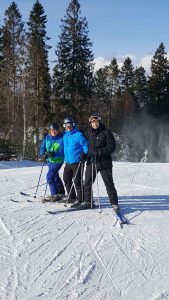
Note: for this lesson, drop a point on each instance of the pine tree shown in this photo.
(1, 48)
(38, 74)
(101, 89)
(115, 92)
(158, 83)
(74, 61)
(140, 89)
(3, 111)
(114, 76)
(12, 51)
(127, 87)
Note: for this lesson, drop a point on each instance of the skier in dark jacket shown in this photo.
(52, 149)
(75, 148)
(101, 146)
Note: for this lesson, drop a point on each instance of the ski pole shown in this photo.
(72, 183)
(82, 170)
(91, 200)
(97, 180)
(39, 180)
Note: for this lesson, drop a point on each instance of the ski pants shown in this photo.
(70, 171)
(54, 180)
(107, 177)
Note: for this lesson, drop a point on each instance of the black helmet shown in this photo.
(54, 126)
(94, 117)
(68, 120)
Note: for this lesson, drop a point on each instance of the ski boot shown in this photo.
(53, 198)
(85, 205)
(75, 204)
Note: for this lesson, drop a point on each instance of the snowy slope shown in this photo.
(85, 254)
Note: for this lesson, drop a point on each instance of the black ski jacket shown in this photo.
(101, 145)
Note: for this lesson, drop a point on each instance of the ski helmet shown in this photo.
(94, 117)
(54, 126)
(68, 120)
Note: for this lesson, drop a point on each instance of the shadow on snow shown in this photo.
(138, 203)
(19, 164)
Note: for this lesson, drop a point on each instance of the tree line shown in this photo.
(32, 96)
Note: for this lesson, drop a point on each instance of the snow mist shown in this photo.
(147, 139)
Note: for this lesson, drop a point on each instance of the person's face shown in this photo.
(54, 132)
(95, 124)
(68, 126)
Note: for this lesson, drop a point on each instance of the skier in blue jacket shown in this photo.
(52, 149)
(75, 152)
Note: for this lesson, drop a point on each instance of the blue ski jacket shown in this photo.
(74, 145)
(54, 144)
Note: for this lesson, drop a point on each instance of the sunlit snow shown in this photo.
(85, 254)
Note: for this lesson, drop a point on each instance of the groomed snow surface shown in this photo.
(85, 254)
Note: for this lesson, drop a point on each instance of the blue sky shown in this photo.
(116, 27)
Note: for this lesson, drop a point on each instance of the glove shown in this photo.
(50, 153)
(44, 157)
(83, 156)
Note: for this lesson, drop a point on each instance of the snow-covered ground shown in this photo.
(85, 254)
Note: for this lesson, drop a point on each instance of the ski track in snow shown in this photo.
(85, 255)
(10, 281)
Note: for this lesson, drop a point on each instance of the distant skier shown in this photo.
(101, 146)
(75, 150)
(52, 149)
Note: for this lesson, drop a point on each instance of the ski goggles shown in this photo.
(67, 125)
(94, 118)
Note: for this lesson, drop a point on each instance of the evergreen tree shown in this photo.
(114, 113)
(12, 52)
(106, 91)
(127, 87)
(101, 89)
(1, 48)
(114, 77)
(127, 75)
(140, 89)
(58, 107)
(74, 61)
(3, 111)
(158, 83)
(38, 76)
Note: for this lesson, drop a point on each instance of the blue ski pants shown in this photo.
(54, 180)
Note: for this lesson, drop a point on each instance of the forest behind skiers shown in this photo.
(34, 91)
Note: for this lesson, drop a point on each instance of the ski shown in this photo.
(44, 200)
(68, 209)
(18, 201)
(13, 200)
(32, 196)
(55, 212)
(28, 195)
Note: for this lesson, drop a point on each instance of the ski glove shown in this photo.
(50, 153)
(44, 157)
